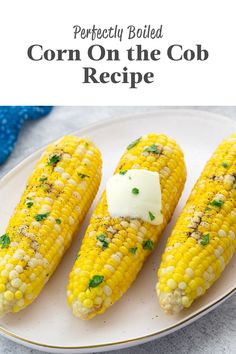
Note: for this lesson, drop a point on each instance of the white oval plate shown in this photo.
(137, 318)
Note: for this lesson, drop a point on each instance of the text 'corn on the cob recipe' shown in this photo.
(56, 198)
(203, 239)
(132, 213)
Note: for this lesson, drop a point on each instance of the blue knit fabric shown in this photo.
(12, 119)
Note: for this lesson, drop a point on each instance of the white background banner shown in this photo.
(190, 60)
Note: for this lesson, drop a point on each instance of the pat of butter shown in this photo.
(135, 194)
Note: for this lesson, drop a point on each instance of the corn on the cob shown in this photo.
(203, 239)
(57, 196)
(114, 249)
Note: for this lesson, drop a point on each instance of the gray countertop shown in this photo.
(216, 332)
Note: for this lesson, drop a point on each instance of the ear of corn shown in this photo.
(203, 240)
(57, 196)
(114, 249)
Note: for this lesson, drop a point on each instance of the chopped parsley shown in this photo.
(217, 203)
(148, 245)
(205, 240)
(103, 239)
(95, 281)
(151, 216)
(224, 164)
(43, 179)
(153, 149)
(134, 143)
(5, 241)
(234, 186)
(40, 217)
(29, 204)
(123, 172)
(53, 160)
(77, 257)
(133, 250)
(82, 175)
(58, 221)
(135, 191)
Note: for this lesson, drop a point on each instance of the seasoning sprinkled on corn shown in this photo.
(50, 210)
(203, 239)
(114, 248)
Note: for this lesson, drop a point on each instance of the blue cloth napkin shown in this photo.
(12, 119)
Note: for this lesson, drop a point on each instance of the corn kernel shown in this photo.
(18, 295)
(8, 295)
(88, 303)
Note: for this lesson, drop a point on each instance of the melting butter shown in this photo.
(135, 194)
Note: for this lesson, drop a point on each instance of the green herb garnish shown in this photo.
(135, 191)
(151, 216)
(224, 164)
(53, 160)
(103, 239)
(153, 148)
(29, 204)
(133, 250)
(40, 217)
(217, 203)
(205, 240)
(95, 281)
(134, 143)
(82, 175)
(58, 221)
(123, 172)
(42, 179)
(148, 245)
(77, 257)
(5, 241)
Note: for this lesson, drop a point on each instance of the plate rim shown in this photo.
(204, 115)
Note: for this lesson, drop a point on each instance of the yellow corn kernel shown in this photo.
(8, 295)
(18, 295)
(46, 218)
(208, 220)
(112, 269)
